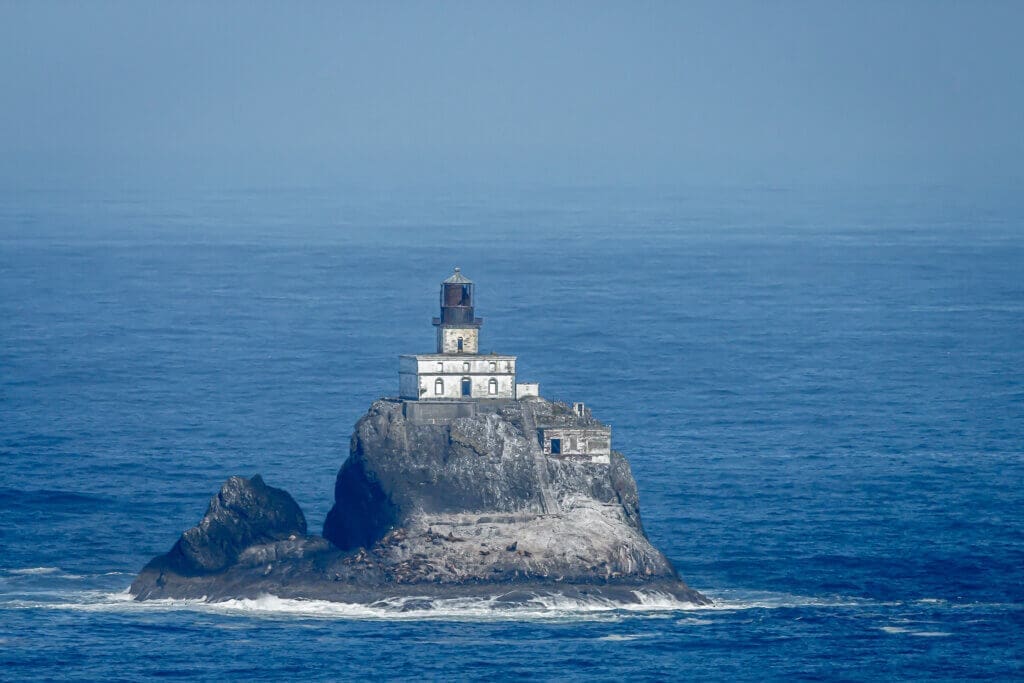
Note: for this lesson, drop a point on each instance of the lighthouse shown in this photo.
(458, 372)
(460, 382)
(458, 330)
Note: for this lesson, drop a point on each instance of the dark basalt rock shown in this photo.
(367, 512)
(467, 506)
(245, 513)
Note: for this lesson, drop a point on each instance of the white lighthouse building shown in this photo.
(459, 382)
(458, 371)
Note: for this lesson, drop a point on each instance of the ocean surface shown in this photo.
(820, 390)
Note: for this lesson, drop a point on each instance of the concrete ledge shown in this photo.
(436, 411)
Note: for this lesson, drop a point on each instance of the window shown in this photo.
(556, 446)
(465, 366)
(467, 387)
(440, 366)
(493, 366)
(439, 387)
(460, 344)
(492, 387)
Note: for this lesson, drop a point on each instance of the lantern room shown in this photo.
(457, 301)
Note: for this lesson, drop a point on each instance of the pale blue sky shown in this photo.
(229, 94)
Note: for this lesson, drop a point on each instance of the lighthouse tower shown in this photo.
(458, 331)
(458, 372)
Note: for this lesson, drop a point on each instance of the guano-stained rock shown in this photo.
(467, 506)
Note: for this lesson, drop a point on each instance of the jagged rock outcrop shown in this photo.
(461, 506)
(483, 480)
(245, 513)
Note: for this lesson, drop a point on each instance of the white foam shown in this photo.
(744, 600)
(475, 608)
(30, 571)
(621, 637)
(493, 608)
(912, 632)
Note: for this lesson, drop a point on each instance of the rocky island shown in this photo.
(468, 484)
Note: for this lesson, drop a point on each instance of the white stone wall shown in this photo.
(418, 375)
(451, 386)
(527, 389)
(448, 339)
(591, 441)
(437, 364)
(408, 385)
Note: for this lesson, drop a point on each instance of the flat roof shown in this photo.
(458, 356)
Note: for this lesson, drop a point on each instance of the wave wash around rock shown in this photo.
(468, 484)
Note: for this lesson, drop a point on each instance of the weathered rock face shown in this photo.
(245, 513)
(484, 481)
(466, 506)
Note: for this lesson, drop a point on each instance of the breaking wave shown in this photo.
(898, 630)
(51, 572)
(492, 608)
(31, 571)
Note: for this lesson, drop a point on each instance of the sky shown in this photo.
(113, 94)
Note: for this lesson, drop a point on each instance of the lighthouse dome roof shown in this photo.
(457, 278)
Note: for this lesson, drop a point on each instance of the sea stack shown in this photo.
(466, 483)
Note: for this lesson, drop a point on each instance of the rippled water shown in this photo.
(820, 392)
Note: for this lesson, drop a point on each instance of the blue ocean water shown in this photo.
(820, 390)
